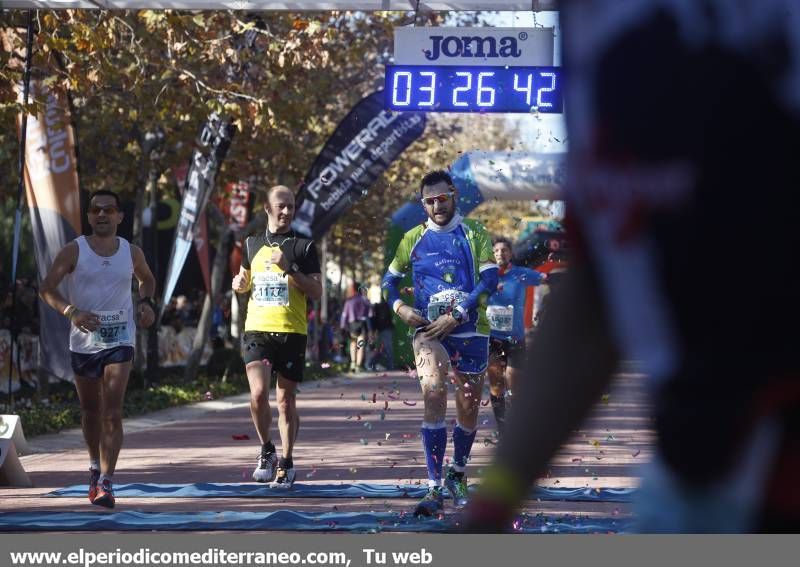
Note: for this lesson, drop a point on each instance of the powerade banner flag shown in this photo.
(363, 146)
(210, 149)
(51, 183)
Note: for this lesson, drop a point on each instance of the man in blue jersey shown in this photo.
(510, 314)
(453, 271)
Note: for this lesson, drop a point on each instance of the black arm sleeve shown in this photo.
(246, 254)
(310, 259)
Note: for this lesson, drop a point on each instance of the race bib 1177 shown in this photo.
(270, 289)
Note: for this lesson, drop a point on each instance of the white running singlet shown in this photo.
(102, 285)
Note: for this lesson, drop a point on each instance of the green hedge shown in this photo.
(62, 411)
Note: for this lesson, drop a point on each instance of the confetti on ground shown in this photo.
(242, 437)
(406, 402)
(635, 453)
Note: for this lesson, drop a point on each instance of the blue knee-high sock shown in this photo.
(463, 438)
(434, 442)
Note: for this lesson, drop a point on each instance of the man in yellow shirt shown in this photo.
(280, 270)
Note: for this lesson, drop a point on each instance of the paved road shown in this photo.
(345, 437)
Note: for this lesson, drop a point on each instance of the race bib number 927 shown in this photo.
(113, 329)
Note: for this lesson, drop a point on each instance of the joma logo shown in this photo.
(472, 46)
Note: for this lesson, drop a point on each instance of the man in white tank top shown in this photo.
(98, 270)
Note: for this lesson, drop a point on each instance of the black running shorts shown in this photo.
(357, 329)
(93, 365)
(285, 351)
(501, 350)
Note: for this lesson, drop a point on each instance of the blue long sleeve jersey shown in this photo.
(451, 266)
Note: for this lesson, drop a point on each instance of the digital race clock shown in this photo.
(473, 88)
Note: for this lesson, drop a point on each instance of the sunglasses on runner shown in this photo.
(441, 198)
(109, 210)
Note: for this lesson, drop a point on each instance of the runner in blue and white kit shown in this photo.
(453, 270)
(510, 314)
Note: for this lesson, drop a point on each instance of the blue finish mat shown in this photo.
(299, 490)
(282, 520)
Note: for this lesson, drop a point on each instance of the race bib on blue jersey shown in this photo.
(113, 329)
(443, 302)
(501, 318)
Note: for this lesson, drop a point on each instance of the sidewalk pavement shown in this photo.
(359, 428)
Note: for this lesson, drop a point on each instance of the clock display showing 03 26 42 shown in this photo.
(473, 89)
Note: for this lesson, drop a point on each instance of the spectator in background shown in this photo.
(383, 327)
(27, 307)
(355, 322)
(338, 342)
(184, 310)
(5, 306)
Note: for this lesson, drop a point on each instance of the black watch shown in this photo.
(149, 301)
(457, 314)
(293, 269)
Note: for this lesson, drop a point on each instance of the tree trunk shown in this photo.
(138, 224)
(204, 325)
(323, 260)
(321, 306)
(339, 292)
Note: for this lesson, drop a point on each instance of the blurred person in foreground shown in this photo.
(679, 112)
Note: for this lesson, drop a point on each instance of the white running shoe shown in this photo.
(284, 478)
(265, 470)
